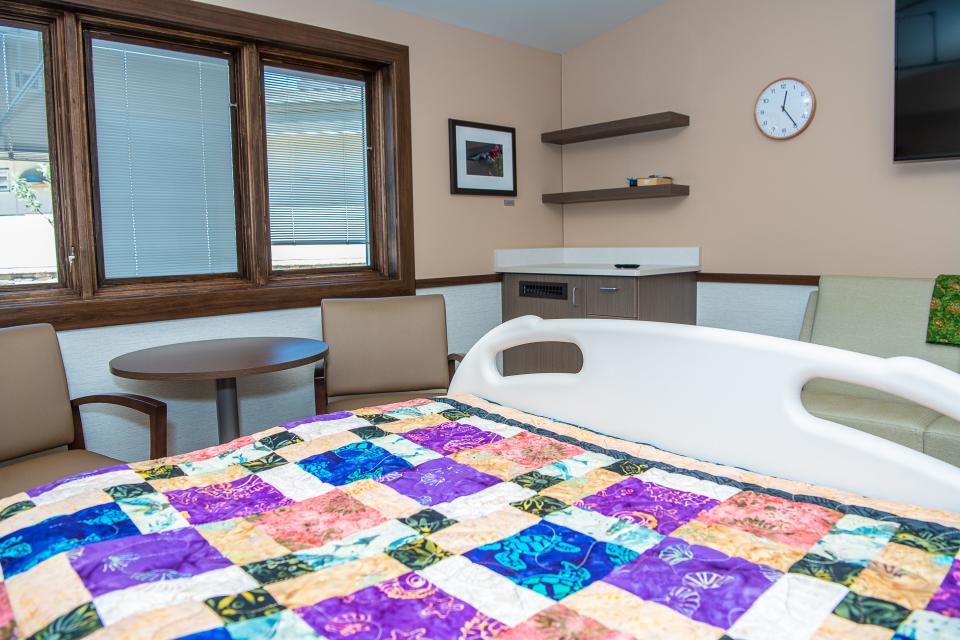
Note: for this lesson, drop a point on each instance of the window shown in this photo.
(184, 159)
(317, 168)
(28, 253)
(164, 149)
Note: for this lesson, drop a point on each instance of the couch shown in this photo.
(882, 317)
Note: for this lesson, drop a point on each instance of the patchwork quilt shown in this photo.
(459, 518)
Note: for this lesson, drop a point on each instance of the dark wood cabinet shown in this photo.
(663, 298)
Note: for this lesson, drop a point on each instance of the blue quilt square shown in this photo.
(352, 462)
(552, 560)
(30, 546)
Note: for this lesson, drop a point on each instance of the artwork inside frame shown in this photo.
(483, 159)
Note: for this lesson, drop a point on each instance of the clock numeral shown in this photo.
(764, 123)
(766, 100)
(762, 112)
(803, 93)
(783, 85)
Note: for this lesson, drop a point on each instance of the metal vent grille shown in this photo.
(549, 290)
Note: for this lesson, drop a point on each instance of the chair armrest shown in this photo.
(154, 409)
(452, 360)
(320, 387)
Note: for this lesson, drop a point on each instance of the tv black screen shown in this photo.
(927, 102)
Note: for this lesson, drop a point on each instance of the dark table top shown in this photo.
(213, 359)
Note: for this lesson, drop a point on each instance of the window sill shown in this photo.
(127, 304)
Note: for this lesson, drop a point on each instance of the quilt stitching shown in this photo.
(440, 519)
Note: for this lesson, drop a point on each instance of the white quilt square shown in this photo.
(792, 609)
(406, 449)
(294, 482)
(98, 481)
(117, 605)
(503, 430)
(486, 590)
(689, 484)
(484, 502)
(319, 428)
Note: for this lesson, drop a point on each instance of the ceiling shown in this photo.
(554, 25)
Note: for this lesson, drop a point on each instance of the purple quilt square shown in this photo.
(946, 600)
(699, 582)
(242, 497)
(404, 607)
(36, 491)
(438, 481)
(647, 504)
(450, 437)
(118, 564)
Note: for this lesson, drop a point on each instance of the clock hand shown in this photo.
(783, 107)
(791, 117)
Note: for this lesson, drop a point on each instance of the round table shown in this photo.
(222, 360)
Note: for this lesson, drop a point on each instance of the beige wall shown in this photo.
(461, 74)
(829, 201)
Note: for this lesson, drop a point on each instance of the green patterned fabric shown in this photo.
(944, 326)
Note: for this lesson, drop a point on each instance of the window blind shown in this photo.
(316, 158)
(23, 116)
(165, 161)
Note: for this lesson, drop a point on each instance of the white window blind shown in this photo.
(23, 123)
(165, 161)
(316, 163)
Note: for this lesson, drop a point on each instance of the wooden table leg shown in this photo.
(228, 412)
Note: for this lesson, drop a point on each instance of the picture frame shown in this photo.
(483, 159)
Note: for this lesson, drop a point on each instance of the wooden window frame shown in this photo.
(83, 297)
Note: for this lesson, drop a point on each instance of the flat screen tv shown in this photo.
(927, 102)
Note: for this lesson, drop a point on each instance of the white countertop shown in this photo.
(598, 261)
(587, 269)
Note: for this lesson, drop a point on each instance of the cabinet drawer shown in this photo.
(613, 297)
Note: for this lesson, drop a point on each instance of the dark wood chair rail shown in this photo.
(156, 410)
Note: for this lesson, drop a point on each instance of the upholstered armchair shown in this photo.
(383, 350)
(38, 418)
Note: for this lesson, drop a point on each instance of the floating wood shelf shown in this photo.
(620, 193)
(627, 126)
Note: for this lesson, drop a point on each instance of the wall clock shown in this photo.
(785, 108)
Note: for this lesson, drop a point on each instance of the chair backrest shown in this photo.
(385, 345)
(883, 317)
(35, 410)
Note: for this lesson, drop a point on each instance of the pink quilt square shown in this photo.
(316, 521)
(797, 524)
(530, 450)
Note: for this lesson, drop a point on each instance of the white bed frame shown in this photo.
(726, 397)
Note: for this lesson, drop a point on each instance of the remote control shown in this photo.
(627, 266)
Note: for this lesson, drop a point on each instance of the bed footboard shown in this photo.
(726, 397)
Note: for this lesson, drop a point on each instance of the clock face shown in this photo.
(785, 108)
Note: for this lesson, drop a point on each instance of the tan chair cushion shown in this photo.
(39, 470)
(34, 402)
(883, 317)
(900, 422)
(349, 403)
(942, 440)
(385, 345)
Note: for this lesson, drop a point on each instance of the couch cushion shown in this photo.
(900, 422)
(38, 470)
(883, 317)
(942, 440)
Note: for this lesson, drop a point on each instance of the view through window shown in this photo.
(316, 169)
(28, 253)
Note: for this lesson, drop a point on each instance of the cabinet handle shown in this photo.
(609, 289)
(573, 296)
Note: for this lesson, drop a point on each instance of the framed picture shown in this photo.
(483, 159)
